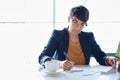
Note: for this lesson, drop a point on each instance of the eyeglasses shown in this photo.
(75, 21)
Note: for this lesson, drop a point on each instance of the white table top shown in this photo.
(89, 73)
(30, 71)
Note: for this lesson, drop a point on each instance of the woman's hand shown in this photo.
(67, 65)
(111, 61)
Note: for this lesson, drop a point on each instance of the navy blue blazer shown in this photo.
(59, 42)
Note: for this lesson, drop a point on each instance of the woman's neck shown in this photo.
(74, 37)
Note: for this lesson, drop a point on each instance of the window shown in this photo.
(104, 22)
(25, 26)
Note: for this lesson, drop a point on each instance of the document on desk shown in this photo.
(100, 68)
(75, 69)
(90, 70)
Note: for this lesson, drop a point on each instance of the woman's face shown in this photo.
(75, 25)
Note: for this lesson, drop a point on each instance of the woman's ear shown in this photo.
(68, 19)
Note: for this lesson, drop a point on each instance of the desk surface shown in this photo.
(67, 75)
(29, 71)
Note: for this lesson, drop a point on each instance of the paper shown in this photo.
(100, 68)
(94, 70)
(74, 69)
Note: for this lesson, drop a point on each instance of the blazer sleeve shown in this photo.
(99, 55)
(51, 47)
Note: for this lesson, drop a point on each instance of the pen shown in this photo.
(41, 67)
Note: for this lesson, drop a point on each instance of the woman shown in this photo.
(72, 46)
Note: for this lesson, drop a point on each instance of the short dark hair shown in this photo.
(81, 12)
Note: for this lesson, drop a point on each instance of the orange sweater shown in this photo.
(75, 53)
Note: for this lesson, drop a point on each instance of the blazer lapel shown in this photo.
(84, 41)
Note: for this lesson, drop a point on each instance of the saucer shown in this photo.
(52, 73)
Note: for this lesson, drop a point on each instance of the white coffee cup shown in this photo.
(52, 66)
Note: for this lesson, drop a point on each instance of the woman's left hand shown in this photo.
(111, 61)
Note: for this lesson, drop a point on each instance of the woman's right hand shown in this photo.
(67, 65)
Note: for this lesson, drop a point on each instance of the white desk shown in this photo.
(29, 71)
(66, 75)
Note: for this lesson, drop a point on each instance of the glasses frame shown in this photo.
(75, 21)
